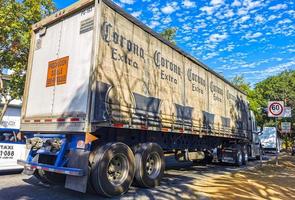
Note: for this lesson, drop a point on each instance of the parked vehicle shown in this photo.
(12, 148)
(269, 140)
(107, 97)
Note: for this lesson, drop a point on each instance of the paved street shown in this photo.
(181, 181)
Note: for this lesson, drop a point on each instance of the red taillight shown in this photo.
(118, 125)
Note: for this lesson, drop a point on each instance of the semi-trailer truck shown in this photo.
(106, 98)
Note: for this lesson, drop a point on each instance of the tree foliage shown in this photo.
(169, 34)
(278, 88)
(254, 102)
(275, 88)
(16, 18)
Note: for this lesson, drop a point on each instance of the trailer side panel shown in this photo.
(146, 83)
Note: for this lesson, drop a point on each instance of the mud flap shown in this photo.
(28, 171)
(78, 159)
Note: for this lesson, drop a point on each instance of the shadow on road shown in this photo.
(185, 181)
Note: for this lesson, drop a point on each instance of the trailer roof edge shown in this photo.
(62, 14)
(84, 3)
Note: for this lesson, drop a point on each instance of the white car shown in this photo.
(12, 148)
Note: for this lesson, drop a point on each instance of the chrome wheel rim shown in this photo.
(153, 165)
(117, 170)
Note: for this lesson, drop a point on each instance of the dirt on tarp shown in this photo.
(268, 181)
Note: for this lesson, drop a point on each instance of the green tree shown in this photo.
(240, 82)
(16, 18)
(278, 88)
(254, 102)
(169, 34)
(275, 88)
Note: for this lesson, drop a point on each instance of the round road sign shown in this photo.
(276, 108)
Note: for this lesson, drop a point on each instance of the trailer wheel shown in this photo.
(208, 157)
(245, 155)
(90, 188)
(239, 156)
(112, 170)
(150, 165)
(49, 178)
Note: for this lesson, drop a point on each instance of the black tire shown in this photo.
(245, 155)
(239, 156)
(49, 178)
(208, 157)
(150, 165)
(112, 170)
(90, 188)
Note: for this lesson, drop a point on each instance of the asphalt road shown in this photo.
(177, 184)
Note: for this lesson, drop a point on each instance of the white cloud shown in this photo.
(285, 66)
(229, 14)
(252, 4)
(217, 37)
(272, 70)
(201, 25)
(244, 18)
(252, 36)
(259, 18)
(278, 7)
(285, 21)
(188, 4)
(187, 38)
(230, 47)
(272, 17)
(216, 2)
(215, 5)
(127, 1)
(210, 55)
(153, 24)
(170, 8)
(136, 14)
(236, 3)
(207, 9)
(167, 20)
(186, 27)
(242, 11)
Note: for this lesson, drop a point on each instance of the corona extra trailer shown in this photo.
(107, 98)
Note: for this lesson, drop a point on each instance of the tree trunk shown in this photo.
(4, 109)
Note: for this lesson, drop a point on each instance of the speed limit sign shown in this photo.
(275, 108)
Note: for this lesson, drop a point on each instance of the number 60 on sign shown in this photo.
(275, 108)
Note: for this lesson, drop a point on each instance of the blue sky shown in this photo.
(254, 38)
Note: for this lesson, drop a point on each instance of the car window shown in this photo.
(11, 137)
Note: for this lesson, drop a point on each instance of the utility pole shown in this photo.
(275, 110)
(277, 143)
